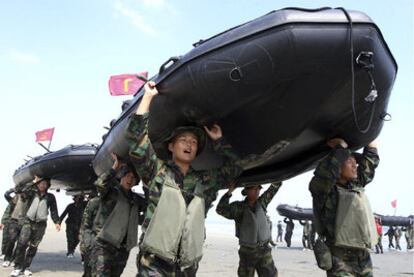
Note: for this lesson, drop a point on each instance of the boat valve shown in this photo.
(364, 59)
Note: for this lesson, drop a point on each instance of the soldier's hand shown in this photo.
(57, 227)
(373, 144)
(150, 89)
(232, 186)
(1, 226)
(215, 132)
(337, 141)
(36, 179)
(117, 164)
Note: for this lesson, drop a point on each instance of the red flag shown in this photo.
(126, 84)
(45, 135)
(394, 203)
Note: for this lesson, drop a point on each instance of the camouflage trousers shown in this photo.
(86, 247)
(257, 259)
(5, 238)
(151, 266)
(109, 261)
(30, 237)
(13, 234)
(72, 237)
(350, 263)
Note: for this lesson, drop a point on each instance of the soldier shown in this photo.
(252, 228)
(87, 235)
(306, 236)
(116, 221)
(397, 236)
(16, 221)
(179, 196)
(34, 226)
(409, 234)
(390, 233)
(279, 231)
(341, 210)
(288, 230)
(74, 211)
(378, 246)
(4, 225)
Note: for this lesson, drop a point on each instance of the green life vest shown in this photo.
(123, 221)
(254, 228)
(355, 223)
(176, 231)
(38, 210)
(20, 210)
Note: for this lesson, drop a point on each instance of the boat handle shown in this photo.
(168, 63)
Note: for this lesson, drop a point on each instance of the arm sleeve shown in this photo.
(141, 151)
(53, 209)
(106, 182)
(367, 165)
(268, 195)
(227, 209)
(7, 213)
(218, 178)
(62, 216)
(7, 194)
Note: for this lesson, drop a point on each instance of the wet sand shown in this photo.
(220, 259)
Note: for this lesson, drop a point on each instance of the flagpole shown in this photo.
(44, 147)
(48, 147)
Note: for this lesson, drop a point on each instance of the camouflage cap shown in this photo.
(42, 179)
(244, 191)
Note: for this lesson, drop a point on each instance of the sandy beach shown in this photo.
(220, 259)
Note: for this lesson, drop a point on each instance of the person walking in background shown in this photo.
(4, 225)
(74, 211)
(397, 235)
(306, 236)
(378, 246)
(252, 228)
(288, 230)
(279, 231)
(390, 233)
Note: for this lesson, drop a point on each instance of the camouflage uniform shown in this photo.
(289, 230)
(323, 186)
(5, 220)
(108, 259)
(73, 222)
(152, 171)
(390, 233)
(397, 235)
(88, 235)
(16, 222)
(251, 258)
(32, 232)
(306, 236)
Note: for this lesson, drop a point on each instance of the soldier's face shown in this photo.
(42, 186)
(184, 147)
(253, 193)
(128, 181)
(349, 170)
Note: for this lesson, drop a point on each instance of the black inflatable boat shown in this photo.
(294, 212)
(279, 86)
(389, 220)
(69, 168)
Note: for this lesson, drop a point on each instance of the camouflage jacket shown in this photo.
(7, 213)
(108, 188)
(153, 170)
(236, 209)
(323, 185)
(86, 230)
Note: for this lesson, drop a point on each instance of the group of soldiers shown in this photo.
(395, 233)
(172, 216)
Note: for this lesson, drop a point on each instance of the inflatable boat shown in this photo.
(279, 86)
(295, 212)
(389, 220)
(69, 168)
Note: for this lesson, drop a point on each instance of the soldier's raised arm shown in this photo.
(368, 163)
(268, 195)
(227, 209)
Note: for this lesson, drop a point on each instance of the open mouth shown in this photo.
(187, 151)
